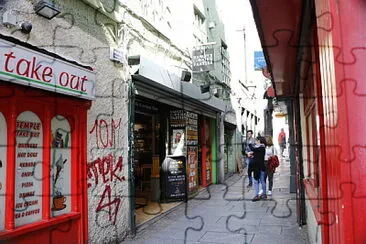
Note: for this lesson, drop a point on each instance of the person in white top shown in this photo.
(269, 152)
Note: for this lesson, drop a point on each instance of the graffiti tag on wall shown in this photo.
(102, 172)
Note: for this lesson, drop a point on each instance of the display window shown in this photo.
(60, 166)
(42, 142)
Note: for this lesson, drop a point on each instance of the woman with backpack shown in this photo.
(271, 163)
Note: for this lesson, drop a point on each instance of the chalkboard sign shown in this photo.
(174, 172)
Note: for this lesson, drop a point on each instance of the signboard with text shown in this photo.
(174, 171)
(203, 59)
(259, 60)
(26, 67)
(28, 174)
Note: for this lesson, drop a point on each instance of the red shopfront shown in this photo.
(42, 146)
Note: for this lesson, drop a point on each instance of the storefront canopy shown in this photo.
(163, 85)
(279, 25)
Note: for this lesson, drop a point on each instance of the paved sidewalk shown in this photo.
(226, 214)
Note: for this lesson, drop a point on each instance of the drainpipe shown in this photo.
(131, 165)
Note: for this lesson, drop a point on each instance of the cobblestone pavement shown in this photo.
(224, 213)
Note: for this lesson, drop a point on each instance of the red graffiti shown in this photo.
(105, 133)
(116, 201)
(106, 168)
(108, 171)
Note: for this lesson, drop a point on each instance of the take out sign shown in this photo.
(24, 66)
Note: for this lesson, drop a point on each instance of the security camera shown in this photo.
(26, 27)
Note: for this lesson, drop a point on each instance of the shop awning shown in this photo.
(279, 24)
(164, 85)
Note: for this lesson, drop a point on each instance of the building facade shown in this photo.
(138, 56)
(321, 82)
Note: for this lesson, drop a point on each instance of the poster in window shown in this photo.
(192, 169)
(3, 147)
(60, 166)
(28, 169)
(178, 144)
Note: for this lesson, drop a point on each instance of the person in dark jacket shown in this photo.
(249, 158)
(259, 169)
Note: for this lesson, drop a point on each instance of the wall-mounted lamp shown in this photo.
(46, 9)
(205, 88)
(186, 75)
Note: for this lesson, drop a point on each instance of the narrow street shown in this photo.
(223, 214)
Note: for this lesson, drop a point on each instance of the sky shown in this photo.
(236, 16)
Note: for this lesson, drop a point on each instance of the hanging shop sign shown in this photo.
(203, 59)
(60, 166)
(259, 60)
(174, 169)
(3, 148)
(29, 164)
(24, 66)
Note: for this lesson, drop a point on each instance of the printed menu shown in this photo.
(28, 176)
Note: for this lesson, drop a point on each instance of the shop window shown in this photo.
(60, 166)
(3, 145)
(312, 149)
(28, 169)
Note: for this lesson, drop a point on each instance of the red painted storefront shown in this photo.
(316, 54)
(43, 140)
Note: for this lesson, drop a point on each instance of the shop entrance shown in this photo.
(145, 148)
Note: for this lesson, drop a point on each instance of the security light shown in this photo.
(46, 9)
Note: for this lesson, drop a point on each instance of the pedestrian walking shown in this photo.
(249, 158)
(258, 151)
(269, 169)
(282, 141)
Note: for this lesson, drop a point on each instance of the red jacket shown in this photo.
(282, 138)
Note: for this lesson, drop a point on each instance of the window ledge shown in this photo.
(8, 234)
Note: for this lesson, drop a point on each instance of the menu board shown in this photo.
(3, 148)
(175, 177)
(28, 170)
(177, 118)
(60, 166)
(192, 129)
(192, 170)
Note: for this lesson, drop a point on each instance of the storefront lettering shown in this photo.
(27, 213)
(29, 153)
(34, 69)
(28, 125)
(27, 184)
(106, 168)
(27, 145)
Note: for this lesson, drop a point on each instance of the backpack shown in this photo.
(273, 163)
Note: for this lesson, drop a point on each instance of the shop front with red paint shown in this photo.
(43, 116)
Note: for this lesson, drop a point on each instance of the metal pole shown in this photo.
(245, 56)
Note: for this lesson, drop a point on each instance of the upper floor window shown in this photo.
(199, 18)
